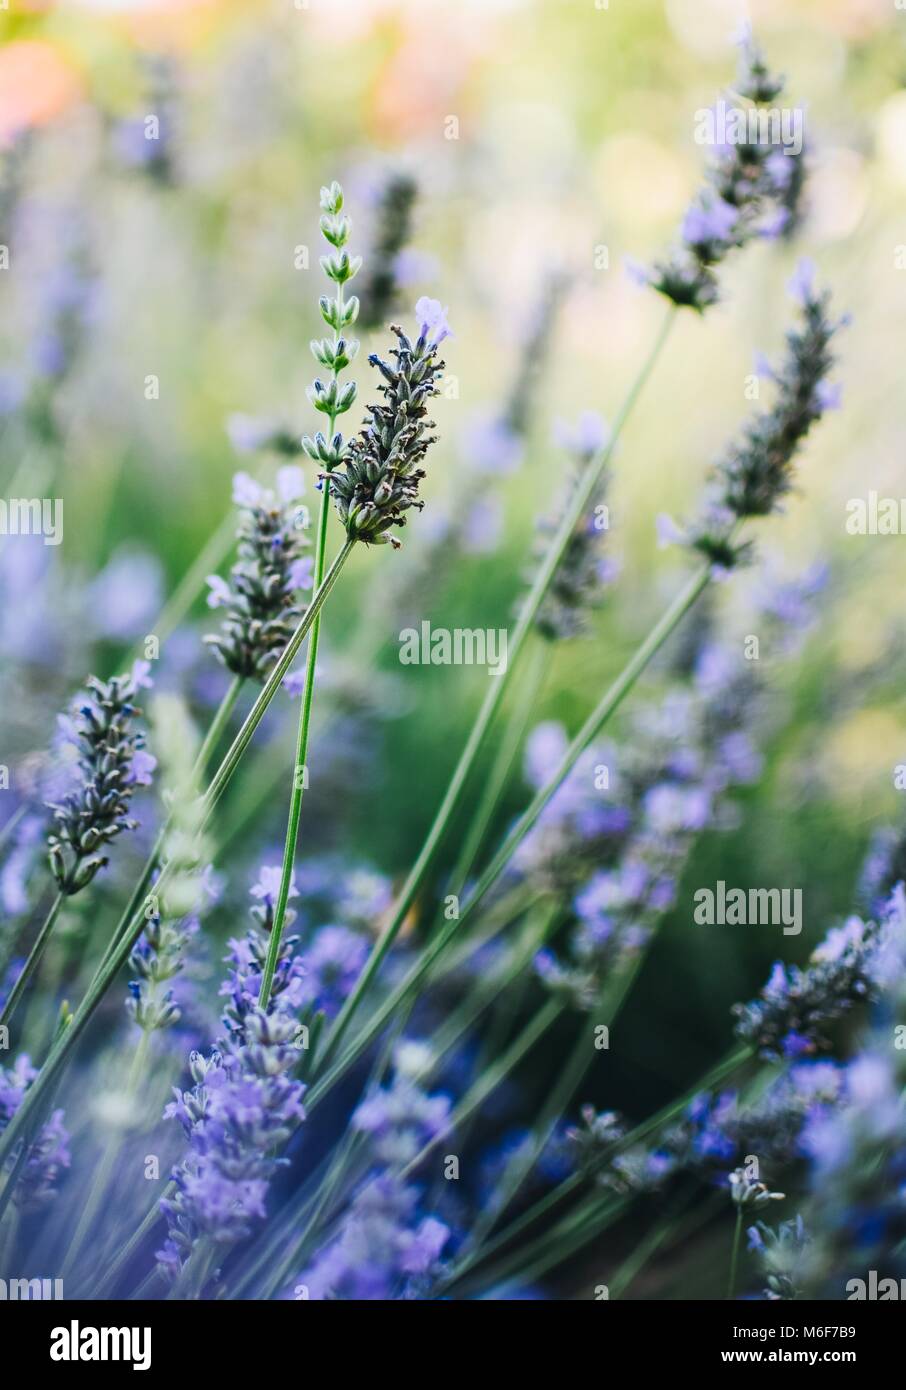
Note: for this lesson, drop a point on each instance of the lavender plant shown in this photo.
(753, 190)
(426, 1004)
(261, 601)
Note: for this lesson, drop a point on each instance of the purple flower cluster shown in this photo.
(716, 1132)
(783, 1255)
(857, 1151)
(247, 955)
(754, 189)
(245, 1102)
(261, 598)
(622, 846)
(791, 1014)
(379, 477)
(755, 473)
(243, 1107)
(386, 1248)
(48, 1154)
(112, 762)
(330, 967)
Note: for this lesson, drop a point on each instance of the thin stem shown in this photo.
(33, 961)
(105, 1167)
(586, 1210)
(217, 726)
(490, 1079)
(648, 1246)
(554, 1245)
(734, 1253)
(500, 770)
(567, 1083)
(256, 713)
(609, 703)
(572, 516)
(299, 767)
(528, 1218)
(59, 1052)
(298, 789)
(149, 1221)
(212, 738)
(11, 824)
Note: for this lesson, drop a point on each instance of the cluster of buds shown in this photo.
(754, 190)
(35, 1177)
(172, 909)
(381, 470)
(261, 598)
(112, 762)
(756, 471)
(156, 958)
(248, 955)
(789, 1017)
(336, 354)
(745, 1192)
(242, 1109)
(782, 1255)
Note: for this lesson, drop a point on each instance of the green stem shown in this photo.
(587, 1210)
(500, 770)
(573, 513)
(528, 1218)
(105, 1167)
(734, 1253)
(478, 1093)
(298, 789)
(33, 961)
(217, 726)
(150, 1220)
(295, 803)
(212, 738)
(256, 713)
(554, 1246)
(609, 703)
(60, 1051)
(647, 1247)
(11, 824)
(608, 1008)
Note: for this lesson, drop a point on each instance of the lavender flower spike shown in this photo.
(261, 597)
(112, 761)
(754, 190)
(381, 473)
(756, 471)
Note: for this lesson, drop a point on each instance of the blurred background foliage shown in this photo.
(574, 131)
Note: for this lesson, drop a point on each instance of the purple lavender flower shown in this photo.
(789, 1017)
(49, 1152)
(261, 598)
(586, 437)
(386, 1247)
(381, 467)
(431, 318)
(242, 1109)
(111, 762)
(330, 967)
(754, 190)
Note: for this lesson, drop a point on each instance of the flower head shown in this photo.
(261, 598)
(112, 762)
(381, 469)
